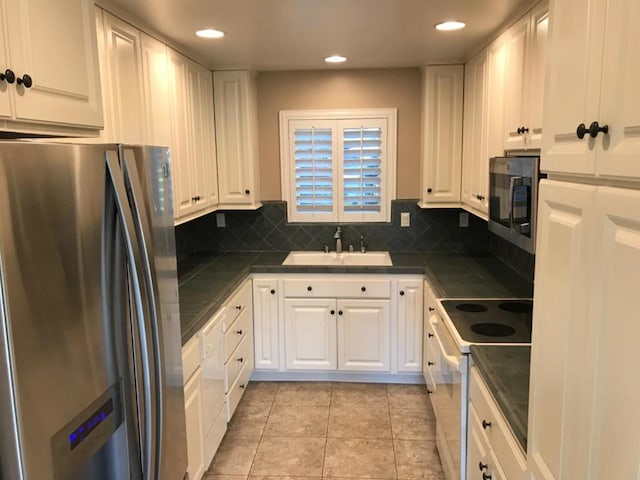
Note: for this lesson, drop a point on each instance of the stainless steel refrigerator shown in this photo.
(90, 352)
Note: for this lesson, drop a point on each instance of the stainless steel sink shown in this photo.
(333, 259)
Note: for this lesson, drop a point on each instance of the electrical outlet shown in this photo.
(405, 219)
(220, 220)
(463, 220)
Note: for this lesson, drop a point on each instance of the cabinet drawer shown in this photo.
(336, 288)
(239, 303)
(191, 357)
(236, 332)
(237, 390)
(499, 435)
(238, 359)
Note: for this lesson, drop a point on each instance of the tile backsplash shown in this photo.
(267, 229)
(431, 230)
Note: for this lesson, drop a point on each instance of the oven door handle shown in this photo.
(452, 360)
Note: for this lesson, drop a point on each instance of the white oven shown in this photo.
(451, 327)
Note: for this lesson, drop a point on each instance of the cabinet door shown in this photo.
(123, 71)
(535, 73)
(615, 283)
(235, 136)
(181, 154)
(363, 335)
(265, 324)
(310, 334)
(409, 321)
(194, 424)
(475, 126)
(562, 364)
(572, 87)
(442, 134)
(620, 104)
(477, 446)
(517, 38)
(156, 92)
(55, 43)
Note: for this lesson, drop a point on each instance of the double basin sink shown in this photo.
(333, 259)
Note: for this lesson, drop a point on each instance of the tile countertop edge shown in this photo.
(505, 370)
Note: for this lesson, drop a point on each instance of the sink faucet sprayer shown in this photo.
(338, 237)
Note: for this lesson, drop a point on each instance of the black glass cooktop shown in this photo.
(491, 321)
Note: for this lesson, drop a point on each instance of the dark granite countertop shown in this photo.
(505, 369)
(206, 280)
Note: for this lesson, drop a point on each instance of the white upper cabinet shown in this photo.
(54, 84)
(526, 43)
(592, 88)
(236, 126)
(157, 111)
(441, 163)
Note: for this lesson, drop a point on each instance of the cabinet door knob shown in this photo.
(242, 386)
(595, 128)
(339, 312)
(239, 332)
(429, 190)
(240, 360)
(364, 289)
(430, 364)
(401, 293)
(333, 312)
(309, 288)
(485, 424)
(486, 476)
(522, 130)
(273, 292)
(431, 309)
(26, 80)
(8, 75)
(519, 130)
(429, 391)
(247, 191)
(482, 466)
(581, 131)
(238, 307)
(429, 335)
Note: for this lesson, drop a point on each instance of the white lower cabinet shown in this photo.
(310, 334)
(493, 452)
(363, 335)
(194, 423)
(432, 362)
(340, 323)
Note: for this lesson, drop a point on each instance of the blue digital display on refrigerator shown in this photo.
(83, 431)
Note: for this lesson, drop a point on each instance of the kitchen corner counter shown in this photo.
(505, 370)
(207, 280)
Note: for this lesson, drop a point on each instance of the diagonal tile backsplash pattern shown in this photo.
(431, 230)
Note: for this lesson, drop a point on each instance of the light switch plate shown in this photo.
(220, 220)
(464, 220)
(405, 219)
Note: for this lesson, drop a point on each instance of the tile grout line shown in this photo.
(393, 442)
(326, 438)
(263, 430)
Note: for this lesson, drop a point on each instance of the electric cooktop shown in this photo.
(491, 321)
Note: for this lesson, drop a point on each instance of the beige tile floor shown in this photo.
(329, 431)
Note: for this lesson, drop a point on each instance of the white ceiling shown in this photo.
(298, 34)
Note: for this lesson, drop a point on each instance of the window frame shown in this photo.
(287, 163)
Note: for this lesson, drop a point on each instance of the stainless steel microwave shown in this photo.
(513, 199)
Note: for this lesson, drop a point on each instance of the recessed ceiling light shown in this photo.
(210, 33)
(450, 25)
(335, 59)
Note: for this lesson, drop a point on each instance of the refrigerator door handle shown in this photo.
(143, 226)
(133, 250)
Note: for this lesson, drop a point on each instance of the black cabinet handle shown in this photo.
(480, 197)
(485, 424)
(242, 386)
(522, 130)
(339, 312)
(239, 332)
(581, 131)
(26, 80)
(240, 359)
(429, 391)
(429, 335)
(309, 288)
(595, 128)
(247, 191)
(238, 307)
(333, 312)
(486, 476)
(430, 363)
(363, 289)
(431, 309)
(401, 293)
(482, 466)
(8, 76)
(273, 292)
(429, 190)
